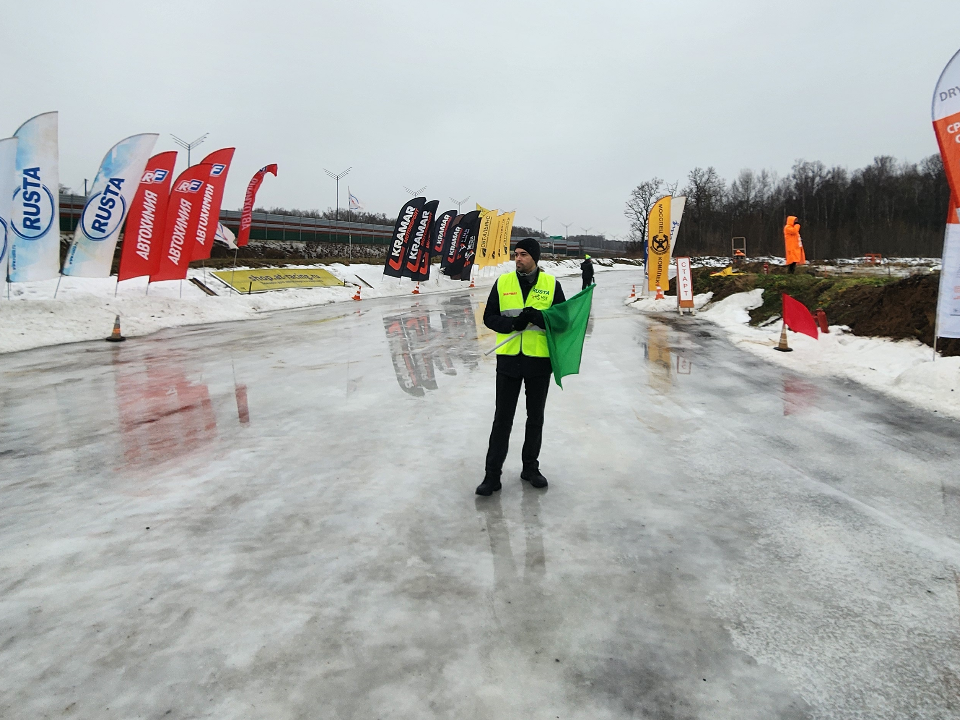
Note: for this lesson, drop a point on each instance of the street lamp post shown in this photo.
(336, 177)
(458, 203)
(415, 193)
(188, 146)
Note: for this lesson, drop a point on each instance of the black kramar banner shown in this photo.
(448, 252)
(438, 231)
(402, 232)
(420, 244)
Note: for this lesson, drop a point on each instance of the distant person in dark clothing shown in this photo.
(586, 272)
(515, 304)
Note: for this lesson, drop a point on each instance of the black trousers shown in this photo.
(586, 282)
(508, 392)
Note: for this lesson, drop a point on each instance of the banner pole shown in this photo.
(501, 344)
(57, 289)
(234, 271)
(116, 288)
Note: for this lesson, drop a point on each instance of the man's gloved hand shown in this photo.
(521, 320)
(535, 316)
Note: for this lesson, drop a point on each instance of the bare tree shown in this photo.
(642, 199)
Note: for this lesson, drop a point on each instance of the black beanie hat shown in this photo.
(532, 247)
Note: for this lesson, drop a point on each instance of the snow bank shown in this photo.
(647, 303)
(903, 369)
(84, 308)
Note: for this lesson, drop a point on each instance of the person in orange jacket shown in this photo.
(793, 243)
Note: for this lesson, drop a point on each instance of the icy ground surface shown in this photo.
(276, 519)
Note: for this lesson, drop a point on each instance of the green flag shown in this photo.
(566, 328)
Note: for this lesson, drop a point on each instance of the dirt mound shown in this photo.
(903, 309)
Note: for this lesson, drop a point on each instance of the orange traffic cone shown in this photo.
(659, 293)
(416, 290)
(783, 347)
(633, 291)
(472, 284)
(356, 295)
(115, 336)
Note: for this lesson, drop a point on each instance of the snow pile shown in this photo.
(84, 308)
(903, 369)
(648, 303)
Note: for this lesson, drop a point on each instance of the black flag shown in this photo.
(402, 232)
(438, 232)
(449, 250)
(465, 227)
(470, 248)
(420, 243)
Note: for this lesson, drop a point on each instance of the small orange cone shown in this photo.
(416, 290)
(356, 295)
(659, 294)
(115, 336)
(783, 347)
(472, 284)
(633, 291)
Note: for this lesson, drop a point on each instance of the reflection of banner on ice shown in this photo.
(162, 414)
(35, 217)
(656, 351)
(8, 170)
(946, 125)
(205, 225)
(246, 216)
(143, 233)
(798, 395)
(276, 279)
(658, 244)
(418, 350)
(117, 181)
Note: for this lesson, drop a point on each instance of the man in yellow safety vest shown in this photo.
(515, 305)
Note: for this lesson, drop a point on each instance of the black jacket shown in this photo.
(586, 269)
(518, 365)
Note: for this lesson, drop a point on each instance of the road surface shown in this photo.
(276, 519)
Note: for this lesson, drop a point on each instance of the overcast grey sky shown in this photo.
(550, 108)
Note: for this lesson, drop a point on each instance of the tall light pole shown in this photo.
(566, 235)
(414, 193)
(337, 178)
(188, 146)
(458, 203)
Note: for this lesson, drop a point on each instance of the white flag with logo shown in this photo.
(8, 173)
(35, 217)
(226, 236)
(676, 215)
(95, 239)
(355, 203)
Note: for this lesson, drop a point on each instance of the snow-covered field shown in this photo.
(85, 308)
(904, 369)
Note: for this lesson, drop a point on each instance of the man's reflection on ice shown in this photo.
(419, 349)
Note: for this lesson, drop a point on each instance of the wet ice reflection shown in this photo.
(423, 342)
(162, 412)
(663, 361)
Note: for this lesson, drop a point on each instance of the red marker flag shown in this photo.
(798, 318)
(182, 212)
(246, 218)
(205, 226)
(143, 233)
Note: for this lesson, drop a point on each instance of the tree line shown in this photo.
(892, 208)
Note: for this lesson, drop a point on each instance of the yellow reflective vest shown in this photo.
(533, 341)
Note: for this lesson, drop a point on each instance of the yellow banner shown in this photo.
(277, 279)
(506, 228)
(658, 245)
(481, 208)
(496, 239)
(484, 245)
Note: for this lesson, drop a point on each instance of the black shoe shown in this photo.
(535, 478)
(489, 486)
